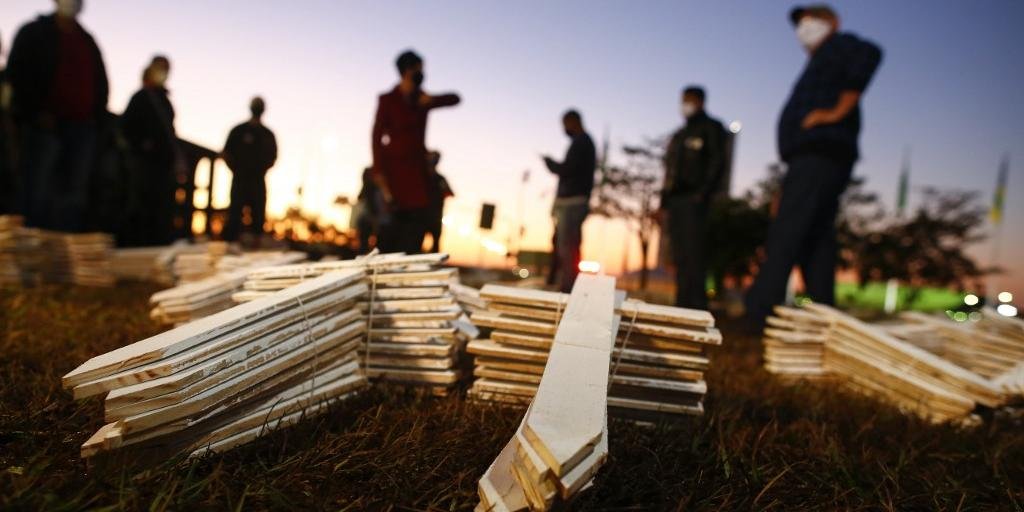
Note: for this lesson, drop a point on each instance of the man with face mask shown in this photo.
(250, 152)
(817, 138)
(694, 166)
(157, 160)
(400, 155)
(59, 94)
(572, 198)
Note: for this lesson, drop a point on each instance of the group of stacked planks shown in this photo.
(142, 264)
(870, 360)
(991, 346)
(194, 266)
(224, 380)
(413, 336)
(16, 250)
(563, 438)
(794, 343)
(659, 357)
(193, 300)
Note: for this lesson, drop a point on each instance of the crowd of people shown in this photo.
(63, 154)
(58, 113)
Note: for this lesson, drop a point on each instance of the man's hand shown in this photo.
(818, 117)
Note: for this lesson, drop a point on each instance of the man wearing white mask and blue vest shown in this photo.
(817, 139)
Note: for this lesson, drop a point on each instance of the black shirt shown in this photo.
(251, 149)
(695, 159)
(576, 172)
(842, 63)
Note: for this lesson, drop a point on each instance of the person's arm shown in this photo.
(230, 146)
(380, 129)
(714, 141)
(102, 82)
(428, 101)
(862, 59)
(271, 152)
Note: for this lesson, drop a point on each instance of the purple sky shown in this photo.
(949, 87)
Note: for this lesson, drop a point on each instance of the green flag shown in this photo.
(998, 200)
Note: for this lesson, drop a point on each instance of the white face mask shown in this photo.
(69, 8)
(812, 31)
(688, 110)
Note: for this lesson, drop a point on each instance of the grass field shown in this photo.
(761, 445)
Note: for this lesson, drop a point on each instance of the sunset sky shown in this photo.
(949, 88)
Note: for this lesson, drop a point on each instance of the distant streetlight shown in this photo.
(1007, 310)
(1005, 297)
(735, 126)
(971, 299)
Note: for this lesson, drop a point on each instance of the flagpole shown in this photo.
(996, 216)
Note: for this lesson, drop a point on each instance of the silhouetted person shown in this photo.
(250, 152)
(817, 138)
(59, 91)
(572, 200)
(440, 191)
(148, 125)
(400, 155)
(694, 165)
(371, 217)
(9, 186)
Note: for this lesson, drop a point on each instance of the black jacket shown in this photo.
(250, 150)
(695, 159)
(843, 62)
(32, 63)
(576, 172)
(148, 125)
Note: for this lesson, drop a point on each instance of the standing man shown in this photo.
(440, 191)
(817, 138)
(400, 155)
(694, 165)
(59, 93)
(158, 166)
(250, 152)
(572, 200)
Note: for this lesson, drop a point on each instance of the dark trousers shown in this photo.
(56, 167)
(434, 226)
(405, 232)
(803, 233)
(569, 226)
(247, 189)
(687, 223)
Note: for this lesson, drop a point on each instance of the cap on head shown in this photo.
(823, 11)
(694, 91)
(408, 60)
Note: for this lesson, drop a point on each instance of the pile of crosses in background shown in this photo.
(204, 293)
(224, 380)
(30, 256)
(414, 334)
(936, 368)
(659, 356)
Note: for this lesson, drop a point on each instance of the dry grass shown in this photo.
(762, 444)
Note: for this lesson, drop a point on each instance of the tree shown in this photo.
(631, 192)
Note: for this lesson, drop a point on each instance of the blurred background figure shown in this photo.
(818, 139)
(400, 155)
(370, 216)
(59, 92)
(250, 152)
(694, 165)
(9, 185)
(440, 191)
(157, 160)
(572, 199)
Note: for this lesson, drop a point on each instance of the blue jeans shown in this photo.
(56, 166)
(568, 239)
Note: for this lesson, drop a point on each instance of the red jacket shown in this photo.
(399, 146)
